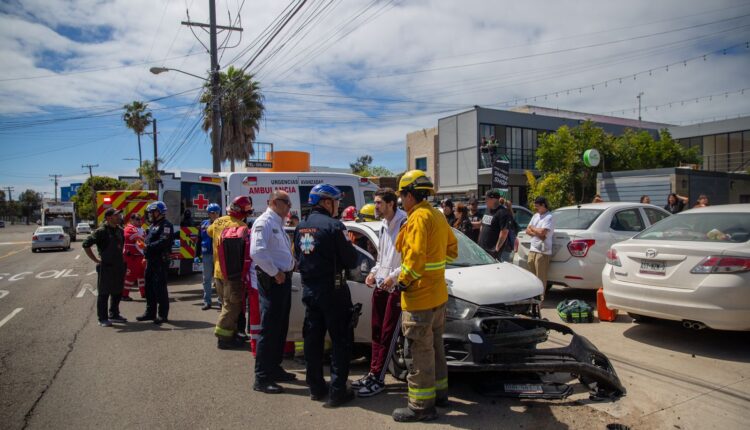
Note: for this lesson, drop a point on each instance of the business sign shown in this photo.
(501, 175)
(65, 194)
(259, 164)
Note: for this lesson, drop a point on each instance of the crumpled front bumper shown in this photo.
(509, 344)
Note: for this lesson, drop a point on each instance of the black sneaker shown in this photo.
(118, 318)
(285, 376)
(335, 402)
(145, 317)
(126, 299)
(230, 344)
(361, 382)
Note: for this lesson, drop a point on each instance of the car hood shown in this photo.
(492, 283)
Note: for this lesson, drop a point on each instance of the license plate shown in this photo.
(47, 238)
(653, 267)
(174, 264)
(523, 388)
(197, 267)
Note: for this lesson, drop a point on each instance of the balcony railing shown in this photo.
(519, 158)
(726, 162)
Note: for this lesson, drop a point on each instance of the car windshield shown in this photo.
(469, 253)
(83, 224)
(701, 227)
(575, 219)
(49, 230)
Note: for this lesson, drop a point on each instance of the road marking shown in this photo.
(4, 293)
(16, 276)
(14, 252)
(77, 257)
(49, 274)
(11, 315)
(87, 287)
(14, 243)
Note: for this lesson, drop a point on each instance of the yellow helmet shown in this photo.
(367, 213)
(416, 180)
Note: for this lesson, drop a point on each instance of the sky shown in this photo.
(346, 78)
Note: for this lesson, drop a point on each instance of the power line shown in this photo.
(709, 97)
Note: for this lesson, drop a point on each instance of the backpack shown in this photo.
(575, 311)
(234, 254)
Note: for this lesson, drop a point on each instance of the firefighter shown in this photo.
(231, 293)
(132, 253)
(349, 214)
(110, 267)
(207, 253)
(367, 213)
(158, 249)
(426, 244)
(324, 254)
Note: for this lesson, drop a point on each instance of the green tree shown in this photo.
(567, 180)
(362, 167)
(362, 163)
(137, 117)
(85, 198)
(149, 175)
(29, 201)
(242, 109)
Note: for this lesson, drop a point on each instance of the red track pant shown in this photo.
(386, 313)
(135, 274)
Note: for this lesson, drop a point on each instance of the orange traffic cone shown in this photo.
(605, 313)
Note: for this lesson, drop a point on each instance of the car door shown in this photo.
(625, 224)
(654, 215)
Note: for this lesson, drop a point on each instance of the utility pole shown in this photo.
(55, 176)
(215, 88)
(89, 166)
(10, 193)
(156, 158)
(639, 105)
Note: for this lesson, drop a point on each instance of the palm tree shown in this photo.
(137, 117)
(241, 112)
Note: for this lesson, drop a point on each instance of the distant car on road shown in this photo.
(83, 227)
(2, 224)
(692, 267)
(47, 237)
(583, 235)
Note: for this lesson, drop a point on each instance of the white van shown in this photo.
(357, 191)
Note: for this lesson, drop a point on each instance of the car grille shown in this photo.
(503, 310)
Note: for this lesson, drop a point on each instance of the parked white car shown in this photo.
(583, 235)
(52, 236)
(693, 267)
(83, 227)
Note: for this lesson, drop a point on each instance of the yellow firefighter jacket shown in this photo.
(426, 244)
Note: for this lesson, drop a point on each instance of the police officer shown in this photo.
(158, 247)
(324, 254)
(110, 266)
(272, 254)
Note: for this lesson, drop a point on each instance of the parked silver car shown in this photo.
(49, 237)
(83, 227)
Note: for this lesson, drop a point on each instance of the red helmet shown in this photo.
(349, 214)
(240, 207)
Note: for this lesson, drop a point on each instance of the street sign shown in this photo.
(501, 174)
(259, 164)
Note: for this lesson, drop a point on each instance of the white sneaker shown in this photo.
(361, 382)
(373, 387)
(105, 323)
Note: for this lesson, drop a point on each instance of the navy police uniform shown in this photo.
(324, 254)
(158, 248)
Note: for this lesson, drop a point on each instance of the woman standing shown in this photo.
(675, 203)
(462, 222)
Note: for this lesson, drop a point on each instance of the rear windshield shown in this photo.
(575, 219)
(701, 227)
(49, 230)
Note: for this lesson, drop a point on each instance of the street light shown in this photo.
(215, 106)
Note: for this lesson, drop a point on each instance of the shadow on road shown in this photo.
(723, 345)
(133, 327)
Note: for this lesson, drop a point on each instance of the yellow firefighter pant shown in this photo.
(232, 295)
(428, 372)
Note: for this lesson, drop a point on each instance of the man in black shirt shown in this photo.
(493, 234)
(475, 216)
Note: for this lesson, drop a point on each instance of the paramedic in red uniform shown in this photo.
(132, 253)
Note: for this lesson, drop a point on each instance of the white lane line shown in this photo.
(77, 257)
(14, 243)
(8, 318)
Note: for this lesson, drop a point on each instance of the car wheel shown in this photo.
(398, 366)
(640, 318)
(34, 250)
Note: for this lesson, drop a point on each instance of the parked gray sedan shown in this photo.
(51, 236)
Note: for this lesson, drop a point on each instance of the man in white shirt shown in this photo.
(541, 229)
(271, 252)
(386, 300)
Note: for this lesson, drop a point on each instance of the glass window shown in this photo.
(701, 226)
(575, 219)
(627, 220)
(709, 152)
(421, 163)
(746, 148)
(697, 142)
(196, 197)
(722, 148)
(304, 194)
(522, 217)
(654, 215)
(735, 151)
(469, 253)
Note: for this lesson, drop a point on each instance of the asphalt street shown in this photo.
(59, 369)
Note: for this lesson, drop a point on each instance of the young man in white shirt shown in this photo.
(271, 251)
(386, 300)
(541, 229)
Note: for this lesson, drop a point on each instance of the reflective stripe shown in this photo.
(435, 266)
(299, 346)
(254, 336)
(223, 332)
(255, 326)
(441, 384)
(449, 259)
(422, 393)
(408, 270)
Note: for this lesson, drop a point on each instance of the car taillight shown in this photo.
(612, 258)
(722, 264)
(580, 247)
(34, 237)
(515, 245)
(61, 237)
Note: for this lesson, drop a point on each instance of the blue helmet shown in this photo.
(324, 191)
(157, 206)
(214, 208)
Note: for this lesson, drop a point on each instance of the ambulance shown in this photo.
(357, 191)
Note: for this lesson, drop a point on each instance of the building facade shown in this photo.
(421, 151)
(724, 146)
